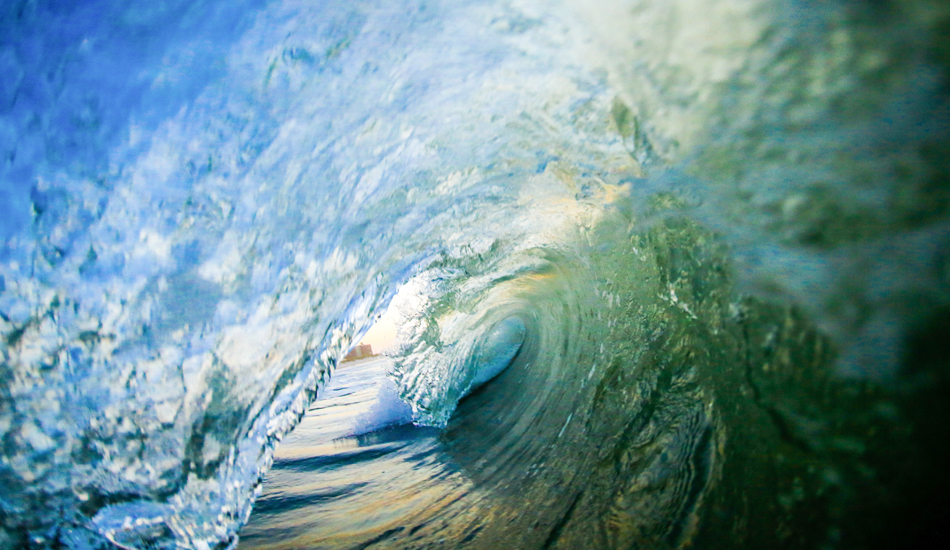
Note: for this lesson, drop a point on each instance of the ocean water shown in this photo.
(666, 274)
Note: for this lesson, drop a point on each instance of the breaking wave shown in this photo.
(667, 273)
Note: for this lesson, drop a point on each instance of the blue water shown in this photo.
(666, 274)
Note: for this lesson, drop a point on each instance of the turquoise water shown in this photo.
(666, 274)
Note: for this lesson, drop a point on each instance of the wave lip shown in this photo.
(497, 350)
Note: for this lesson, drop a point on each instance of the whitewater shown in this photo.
(665, 274)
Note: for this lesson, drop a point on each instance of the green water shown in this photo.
(723, 225)
(651, 406)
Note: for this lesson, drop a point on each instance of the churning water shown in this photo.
(667, 273)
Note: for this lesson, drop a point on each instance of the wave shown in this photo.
(666, 273)
(360, 399)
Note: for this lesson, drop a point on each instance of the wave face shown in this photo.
(687, 263)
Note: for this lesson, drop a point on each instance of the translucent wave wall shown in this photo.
(204, 204)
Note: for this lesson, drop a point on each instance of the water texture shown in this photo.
(666, 273)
